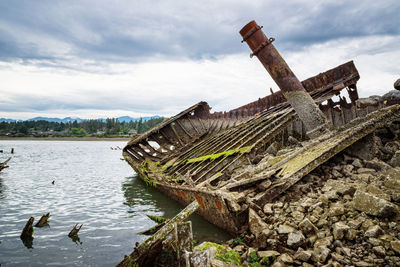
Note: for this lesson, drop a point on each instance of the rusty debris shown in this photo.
(242, 159)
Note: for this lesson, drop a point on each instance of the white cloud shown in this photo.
(165, 87)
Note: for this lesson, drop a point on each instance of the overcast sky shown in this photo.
(100, 58)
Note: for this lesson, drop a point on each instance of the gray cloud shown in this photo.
(135, 30)
(158, 57)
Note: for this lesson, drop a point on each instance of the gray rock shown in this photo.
(355, 224)
(261, 238)
(366, 170)
(396, 84)
(395, 245)
(340, 229)
(256, 224)
(295, 239)
(373, 205)
(307, 227)
(336, 209)
(379, 250)
(285, 229)
(239, 248)
(391, 178)
(268, 253)
(200, 258)
(297, 215)
(320, 254)
(357, 163)
(374, 190)
(268, 209)
(351, 234)
(391, 95)
(377, 164)
(374, 231)
(285, 258)
(302, 255)
(395, 161)
(324, 242)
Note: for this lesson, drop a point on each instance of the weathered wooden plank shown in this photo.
(139, 255)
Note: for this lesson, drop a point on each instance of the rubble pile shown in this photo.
(345, 212)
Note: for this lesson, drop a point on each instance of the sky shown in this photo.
(98, 58)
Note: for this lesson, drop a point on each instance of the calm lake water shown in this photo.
(92, 186)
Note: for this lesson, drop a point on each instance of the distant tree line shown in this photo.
(101, 128)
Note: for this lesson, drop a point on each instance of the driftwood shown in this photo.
(74, 231)
(43, 220)
(3, 165)
(27, 232)
(144, 253)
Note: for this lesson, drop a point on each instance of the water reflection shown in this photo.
(2, 195)
(138, 194)
(76, 239)
(28, 242)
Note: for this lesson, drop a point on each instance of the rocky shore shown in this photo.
(344, 213)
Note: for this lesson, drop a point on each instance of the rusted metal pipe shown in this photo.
(305, 107)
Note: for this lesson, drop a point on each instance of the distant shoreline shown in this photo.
(66, 138)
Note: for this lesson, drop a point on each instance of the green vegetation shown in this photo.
(90, 128)
(224, 253)
(255, 261)
(238, 241)
(157, 219)
(228, 153)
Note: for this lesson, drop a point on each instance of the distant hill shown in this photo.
(66, 119)
(7, 120)
(70, 119)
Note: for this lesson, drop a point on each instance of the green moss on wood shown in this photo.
(224, 154)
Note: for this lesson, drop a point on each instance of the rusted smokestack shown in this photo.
(291, 87)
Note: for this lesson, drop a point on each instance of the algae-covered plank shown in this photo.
(139, 256)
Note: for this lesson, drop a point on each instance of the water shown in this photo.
(92, 186)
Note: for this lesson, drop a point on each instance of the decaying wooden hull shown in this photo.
(224, 160)
(230, 161)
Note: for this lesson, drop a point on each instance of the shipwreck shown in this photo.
(244, 158)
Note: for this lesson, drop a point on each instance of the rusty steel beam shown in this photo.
(305, 107)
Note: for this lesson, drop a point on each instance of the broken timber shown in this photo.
(224, 160)
(74, 232)
(27, 232)
(43, 220)
(3, 165)
(144, 252)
